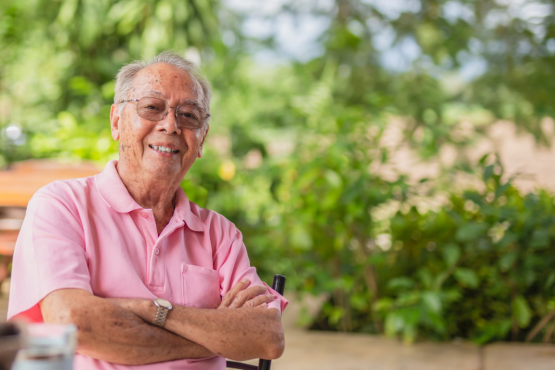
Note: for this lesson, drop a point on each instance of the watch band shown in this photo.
(162, 313)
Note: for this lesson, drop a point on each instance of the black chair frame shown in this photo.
(279, 286)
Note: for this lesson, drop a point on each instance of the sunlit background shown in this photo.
(388, 157)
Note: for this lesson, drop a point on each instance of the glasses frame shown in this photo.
(136, 101)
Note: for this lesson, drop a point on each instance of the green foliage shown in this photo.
(298, 153)
(491, 272)
(470, 268)
(59, 60)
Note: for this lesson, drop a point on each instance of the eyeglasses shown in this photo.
(154, 109)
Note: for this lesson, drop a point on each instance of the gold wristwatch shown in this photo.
(163, 308)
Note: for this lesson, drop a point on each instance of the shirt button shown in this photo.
(144, 214)
(157, 251)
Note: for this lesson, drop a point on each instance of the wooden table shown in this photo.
(17, 186)
(23, 179)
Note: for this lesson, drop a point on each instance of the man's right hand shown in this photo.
(241, 296)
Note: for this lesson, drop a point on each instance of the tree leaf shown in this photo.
(451, 254)
(301, 238)
(333, 178)
(550, 280)
(502, 189)
(521, 311)
(471, 231)
(507, 260)
(488, 172)
(540, 238)
(432, 301)
(482, 159)
(383, 304)
(409, 334)
(402, 282)
(426, 278)
(393, 324)
(466, 277)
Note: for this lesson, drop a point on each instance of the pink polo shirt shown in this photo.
(90, 234)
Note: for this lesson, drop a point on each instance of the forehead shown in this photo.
(167, 82)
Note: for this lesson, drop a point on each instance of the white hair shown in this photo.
(127, 73)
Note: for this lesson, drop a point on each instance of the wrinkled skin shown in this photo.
(152, 177)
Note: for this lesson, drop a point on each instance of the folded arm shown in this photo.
(110, 333)
(120, 330)
(242, 328)
(240, 334)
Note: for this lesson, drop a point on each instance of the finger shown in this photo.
(244, 295)
(228, 298)
(230, 295)
(247, 294)
(261, 299)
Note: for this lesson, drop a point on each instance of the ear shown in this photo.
(202, 142)
(114, 121)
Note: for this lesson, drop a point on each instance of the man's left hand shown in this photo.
(237, 297)
(241, 296)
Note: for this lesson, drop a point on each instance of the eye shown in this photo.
(151, 107)
(188, 116)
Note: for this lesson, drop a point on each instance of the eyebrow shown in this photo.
(191, 102)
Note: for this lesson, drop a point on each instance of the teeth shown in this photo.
(163, 149)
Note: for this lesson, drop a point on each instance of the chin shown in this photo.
(166, 170)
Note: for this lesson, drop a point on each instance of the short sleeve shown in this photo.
(233, 264)
(49, 254)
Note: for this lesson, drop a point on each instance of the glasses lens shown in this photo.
(152, 109)
(190, 116)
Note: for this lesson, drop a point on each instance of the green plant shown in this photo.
(476, 268)
(297, 154)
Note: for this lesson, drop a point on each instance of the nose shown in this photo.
(170, 123)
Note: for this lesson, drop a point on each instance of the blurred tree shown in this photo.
(296, 152)
(423, 58)
(60, 59)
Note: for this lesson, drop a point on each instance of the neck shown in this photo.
(151, 192)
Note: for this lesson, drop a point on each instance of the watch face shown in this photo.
(163, 303)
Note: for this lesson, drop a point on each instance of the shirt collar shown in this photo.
(113, 191)
(115, 194)
(184, 211)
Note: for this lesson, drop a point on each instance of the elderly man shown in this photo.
(130, 260)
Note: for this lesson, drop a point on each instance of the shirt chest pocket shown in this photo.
(200, 286)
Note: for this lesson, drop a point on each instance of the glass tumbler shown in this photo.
(48, 347)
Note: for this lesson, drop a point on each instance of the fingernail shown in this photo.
(269, 296)
(245, 280)
(264, 305)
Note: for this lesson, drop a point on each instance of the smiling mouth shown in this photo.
(163, 149)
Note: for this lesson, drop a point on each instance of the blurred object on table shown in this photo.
(11, 341)
(47, 347)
